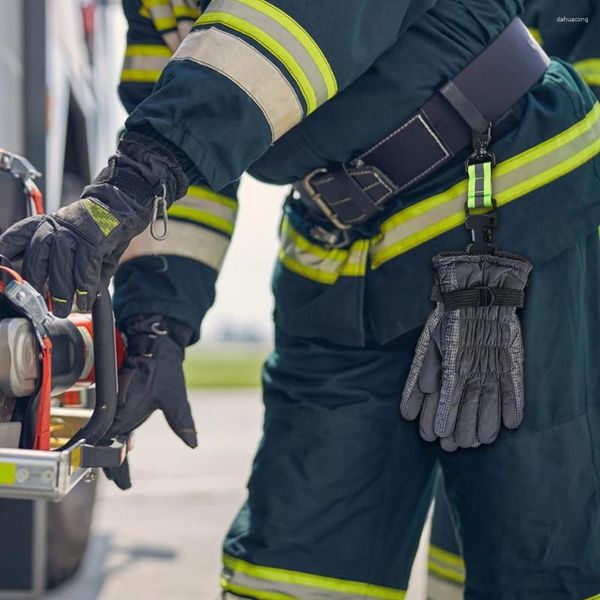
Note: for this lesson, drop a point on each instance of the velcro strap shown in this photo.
(479, 296)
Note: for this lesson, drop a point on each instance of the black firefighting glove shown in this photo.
(152, 379)
(467, 375)
(80, 245)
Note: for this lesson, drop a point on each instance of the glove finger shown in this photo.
(179, 417)
(512, 408)
(120, 475)
(36, 262)
(450, 397)
(489, 410)
(424, 375)
(411, 404)
(86, 275)
(427, 420)
(465, 433)
(62, 287)
(17, 238)
(449, 444)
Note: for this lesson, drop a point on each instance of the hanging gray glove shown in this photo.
(152, 379)
(467, 375)
(80, 245)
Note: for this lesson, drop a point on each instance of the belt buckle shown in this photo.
(318, 200)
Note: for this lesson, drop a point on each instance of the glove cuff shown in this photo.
(459, 270)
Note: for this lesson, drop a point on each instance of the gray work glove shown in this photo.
(152, 379)
(467, 375)
(79, 245)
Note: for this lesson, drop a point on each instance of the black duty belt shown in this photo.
(478, 97)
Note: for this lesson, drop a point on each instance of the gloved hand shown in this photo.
(152, 379)
(467, 374)
(80, 245)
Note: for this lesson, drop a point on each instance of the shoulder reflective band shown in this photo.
(205, 207)
(284, 38)
(144, 62)
(479, 192)
(513, 179)
(268, 583)
(245, 66)
(589, 70)
(299, 255)
(185, 239)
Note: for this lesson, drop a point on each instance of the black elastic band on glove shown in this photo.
(479, 296)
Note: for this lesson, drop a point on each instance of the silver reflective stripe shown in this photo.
(145, 63)
(280, 34)
(325, 266)
(250, 70)
(248, 580)
(162, 11)
(442, 589)
(206, 207)
(184, 239)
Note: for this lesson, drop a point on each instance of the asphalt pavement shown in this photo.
(161, 540)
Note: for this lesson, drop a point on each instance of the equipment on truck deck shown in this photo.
(46, 449)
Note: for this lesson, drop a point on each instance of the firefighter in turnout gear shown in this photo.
(370, 109)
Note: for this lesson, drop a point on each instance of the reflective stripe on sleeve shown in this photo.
(203, 206)
(513, 179)
(284, 38)
(248, 69)
(589, 70)
(161, 13)
(144, 62)
(185, 239)
(268, 583)
(299, 255)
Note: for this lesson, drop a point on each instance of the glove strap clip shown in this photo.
(159, 211)
(480, 208)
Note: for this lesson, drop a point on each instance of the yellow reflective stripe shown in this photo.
(513, 179)
(149, 4)
(596, 597)
(245, 66)
(140, 76)
(317, 582)
(444, 556)
(272, 46)
(148, 50)
(206, 207)
(305, 39)
(589, 70)
(536, 35)
(284, 38)
(252, 593)
(445, 572)
(198, 191)
(103, 218)
(308, 260)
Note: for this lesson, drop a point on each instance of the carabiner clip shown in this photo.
(159, 211)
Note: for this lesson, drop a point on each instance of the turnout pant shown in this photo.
(341, 485)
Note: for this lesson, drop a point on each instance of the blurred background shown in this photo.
(59, 68)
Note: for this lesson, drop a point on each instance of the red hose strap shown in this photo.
(42, 434)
